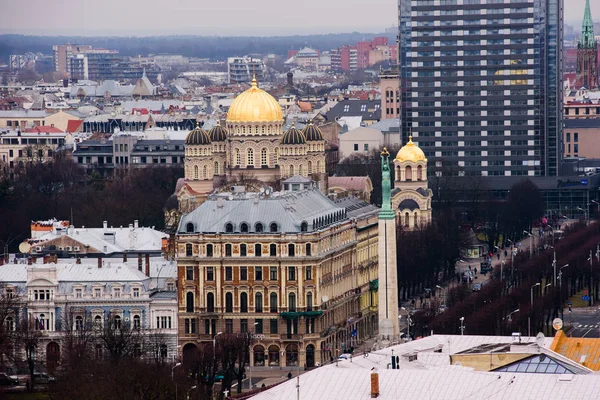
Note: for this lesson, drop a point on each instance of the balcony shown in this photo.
(295, 337)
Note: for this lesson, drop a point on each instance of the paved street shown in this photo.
(586, 323)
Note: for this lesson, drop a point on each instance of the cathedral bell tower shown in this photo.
(587, 53)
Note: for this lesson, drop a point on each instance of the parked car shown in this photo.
(345, 356)
(477, 287)
(220, 375)
(6, 379)
(485, 267)
(43, 378)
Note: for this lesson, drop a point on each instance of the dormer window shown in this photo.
(189, 227)
(303, 227)
(273, 227)
(259, 228)
(229, 228)
(136, 292)
(244, 228)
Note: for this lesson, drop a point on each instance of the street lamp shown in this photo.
(531, 239)
(584, 214)
(529, 318)
(512, 259)
(443, 290)
(173, 369)
(215, 341)
(188, 392)
(560, 278)
(595, 202)
(508, 316)
(591, 260)
(462, 326)
(408, 322)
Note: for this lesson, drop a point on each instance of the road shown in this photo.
(586, 324)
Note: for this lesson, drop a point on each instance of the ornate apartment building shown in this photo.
(295, 269)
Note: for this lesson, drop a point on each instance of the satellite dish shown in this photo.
(540, 339)
(262, 190)
(557, 324)
(24, 247)
(325, 299)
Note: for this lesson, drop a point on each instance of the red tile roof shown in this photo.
(73, 125)
(43, 129)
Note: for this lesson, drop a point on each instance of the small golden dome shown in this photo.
(254, 105)
(312, 132)
(218, 133)
(198, 136)
(293, 136)
(410, 152)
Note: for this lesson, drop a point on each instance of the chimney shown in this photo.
(139, 261)
(147, 264)
(374, 385)
(105, 225)
(29, 261)
(34, 260)
(99, 262)
(78, 261)
(53, 258)
(125, 256)
(136, 224)
(46, 259)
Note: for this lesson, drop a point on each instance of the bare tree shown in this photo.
(28, 337)
(9, 306)
(156, 344)
(78, 337)
(121, 340)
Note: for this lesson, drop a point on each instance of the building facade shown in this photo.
(481, 84)
(243, 69)
(587, 53)
(294, 269)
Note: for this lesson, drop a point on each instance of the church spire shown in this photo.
(587, 29)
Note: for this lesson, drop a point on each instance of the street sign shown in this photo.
(585, 298)
(557, 324)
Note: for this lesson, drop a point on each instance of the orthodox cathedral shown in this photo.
(252, 144)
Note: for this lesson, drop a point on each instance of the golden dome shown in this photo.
(410, 152)
(254, 105)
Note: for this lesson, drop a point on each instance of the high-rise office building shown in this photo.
(481, 84)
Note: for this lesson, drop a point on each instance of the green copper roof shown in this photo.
(587, 29)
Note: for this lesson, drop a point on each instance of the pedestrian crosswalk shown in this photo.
(587, 326)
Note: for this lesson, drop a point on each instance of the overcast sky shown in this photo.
(209, 17)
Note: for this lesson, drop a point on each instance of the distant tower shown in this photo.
(388, 275)
(587, 53)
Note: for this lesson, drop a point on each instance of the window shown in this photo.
(117, 293)
(228, 273)
(263, 157)
(257, 250)
(210, 274)
(309, 301)
(258, 302)
(97, 292)
(273, 273)
(575, 137)
(273, 227)
(250, 158)
(244, 325)
(308, 249)
(258, 328)
(189, 273)
(228, 227)
(117, 322)
(292, 302)
(244, 227)
(273, 302)
(98, 321)
(136, 292)
(210, 302)
(78, 323)
(189, 302)
(244, 302)
(366, 147)
(243, 273)
(188, 250)
(243, 250)
(568, 136)
(303, 227)
(308, 273)
(10, 323)
(273, 250)
(228, 250)
(259, 228)
(355, 146)
(137, 322)
(209, 250)
(291, 250)
(291, 273)
(273, 326)
(189, 227)
(229, 302)
(78, 293)
(190, 325)
(258, 276)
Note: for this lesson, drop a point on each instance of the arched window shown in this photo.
(228, 250)
(318, 167)
(406, 219)
(291, 170)
(262, 130)
(292, 302)
(117, 322)
(308, 249)
(258, 250)
(10, 324)
(189, 227)
(301, 170)
(137, 322)
(196, 174)
(244, 302)
(259, 227)
(420, 176)
(229, 227)
(310, 167)
(204, 172)
(188, 250)
(309, 301)
(256, 129)
(216, 171)
(229, 302)
(273, 302)
(416, 219)
(244, 227)
(98, 321)
(78, 323)
(304, 227)
(408, 173)
(210, 302)
(264, 160)
(243, 250)
(291, 250)
(238, 157)
(273, 250)
(273, 227)
(258, 302)
(209, 250)
(189, 302)
(250, 157)
(276, 155)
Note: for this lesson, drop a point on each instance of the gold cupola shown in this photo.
(410, 152)
(255, 105)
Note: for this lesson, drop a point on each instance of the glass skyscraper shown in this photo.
(481, 84)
